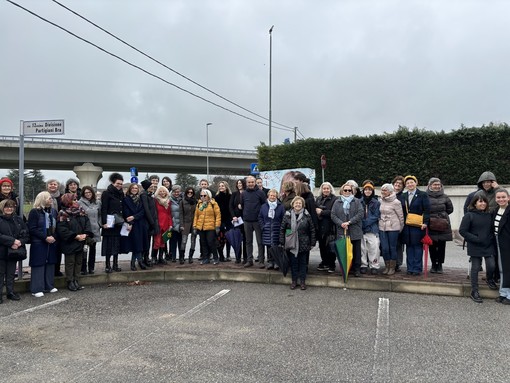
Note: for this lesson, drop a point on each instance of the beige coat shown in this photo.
(392, 216)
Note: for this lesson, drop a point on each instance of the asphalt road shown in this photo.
(237, 332)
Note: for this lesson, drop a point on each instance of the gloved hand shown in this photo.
(217, 231)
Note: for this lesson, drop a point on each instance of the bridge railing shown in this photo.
(110, 144)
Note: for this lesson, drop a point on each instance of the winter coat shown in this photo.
(490, 194)
(165, 221)
(111, 203)
(12, 228)
(326, 225)
(223, 200)
(68, 227)
(392, 216)
(270, 227)
(287, 200)
(235, 202)
(252, 201)
(93, 210)
(42, 252)
(440, 207)
(311, 206)
(476, 228)
(174, 208)
(355, 217)
(371, 215)
(305, 230)
(208, 218)
(504, 245)
(138, 239)
(187, 214)
(420, 204)
(151, 215)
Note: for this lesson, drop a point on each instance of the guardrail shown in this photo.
(110, 144)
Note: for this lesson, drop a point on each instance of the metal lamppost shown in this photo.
(270, 73)
(207, 143)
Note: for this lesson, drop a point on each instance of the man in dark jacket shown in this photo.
(487, 185)
(252, 201)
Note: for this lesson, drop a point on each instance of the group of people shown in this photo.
(155, 222)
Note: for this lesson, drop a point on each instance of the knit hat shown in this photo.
(146, 184)
(410, 178)
(432, 180)
(368, 184)
(5, 179)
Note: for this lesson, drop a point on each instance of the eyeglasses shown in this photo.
(190, 192)
(348, 190)
(203, 195)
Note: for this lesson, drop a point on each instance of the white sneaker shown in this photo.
(53, 290)
(38, 295)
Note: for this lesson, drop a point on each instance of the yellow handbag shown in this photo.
(413, 219)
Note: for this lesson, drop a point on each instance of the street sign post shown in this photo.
(323, 165)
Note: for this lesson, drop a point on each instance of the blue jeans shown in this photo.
(414, 258)
(389, 241)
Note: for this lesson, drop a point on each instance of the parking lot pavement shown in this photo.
(239, 332)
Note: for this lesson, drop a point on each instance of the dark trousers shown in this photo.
(59, 258)
(327, 256)
(400, 251)
(73, 265)
(92, 259)
(389, 241)
(176, 242)
(42, 278)
(208, 244)
(437, 251)
(356, 254)
(476, 262)
(414, 258)
(298, 265)
(7, 271)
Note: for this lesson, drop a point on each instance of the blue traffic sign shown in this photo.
(254, 169)
(134, 180)
(134, 172)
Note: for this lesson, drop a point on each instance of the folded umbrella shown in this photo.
(280, 258)
(427, 241)
(235, 238)
(343, 250)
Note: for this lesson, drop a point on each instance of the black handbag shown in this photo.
(18, 254)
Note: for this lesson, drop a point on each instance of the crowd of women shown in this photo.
(155, 223)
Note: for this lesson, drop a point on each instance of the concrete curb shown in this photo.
(209, 274)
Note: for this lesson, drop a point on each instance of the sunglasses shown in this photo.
(348, 190)
(190, 192)
(203, 195)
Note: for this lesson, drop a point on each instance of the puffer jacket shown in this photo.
(176, 216)
(270, 227)
(392, 216)
(208, 218)
(440, 207)
(186, 214)
(371, 214)
(476, 228)
(305, 230)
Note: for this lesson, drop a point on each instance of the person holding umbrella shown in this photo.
(347, 215)
(297, 235)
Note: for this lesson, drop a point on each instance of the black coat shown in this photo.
(223, 200)
(151, 213)
(504, 244)
(41, 252)
(111, 203)
(476, 228)
(235, 202)
(419, 205)
(326, 225)
(12, 228)
(68, 227)
(305, 230)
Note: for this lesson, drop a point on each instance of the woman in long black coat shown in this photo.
(134, 214)
(327, 229)
(111, 205)
(14, 235)
(501, 219)
(42, 221)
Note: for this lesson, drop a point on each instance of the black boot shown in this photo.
(190, 257)
(71, 286)
(154, 256)
(116, 263)
(161, 256)
(77, 285)
(133, 266)
(142, 264)
(167, 256)
(108, 268)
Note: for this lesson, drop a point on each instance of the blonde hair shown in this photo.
(273, 191)
(40, 200)
(298, 198)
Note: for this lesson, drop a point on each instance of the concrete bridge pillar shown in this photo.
(88, 174)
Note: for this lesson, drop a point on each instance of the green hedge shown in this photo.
(457, 157)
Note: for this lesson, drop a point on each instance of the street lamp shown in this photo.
(207, 143)
(270, 68)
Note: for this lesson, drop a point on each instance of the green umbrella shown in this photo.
(343, 250)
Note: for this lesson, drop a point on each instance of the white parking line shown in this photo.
(32, 309)
(187, 314)
(381, 368)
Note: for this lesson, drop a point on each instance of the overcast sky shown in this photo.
(339, 67)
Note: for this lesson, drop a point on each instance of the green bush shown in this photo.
(457, 157)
